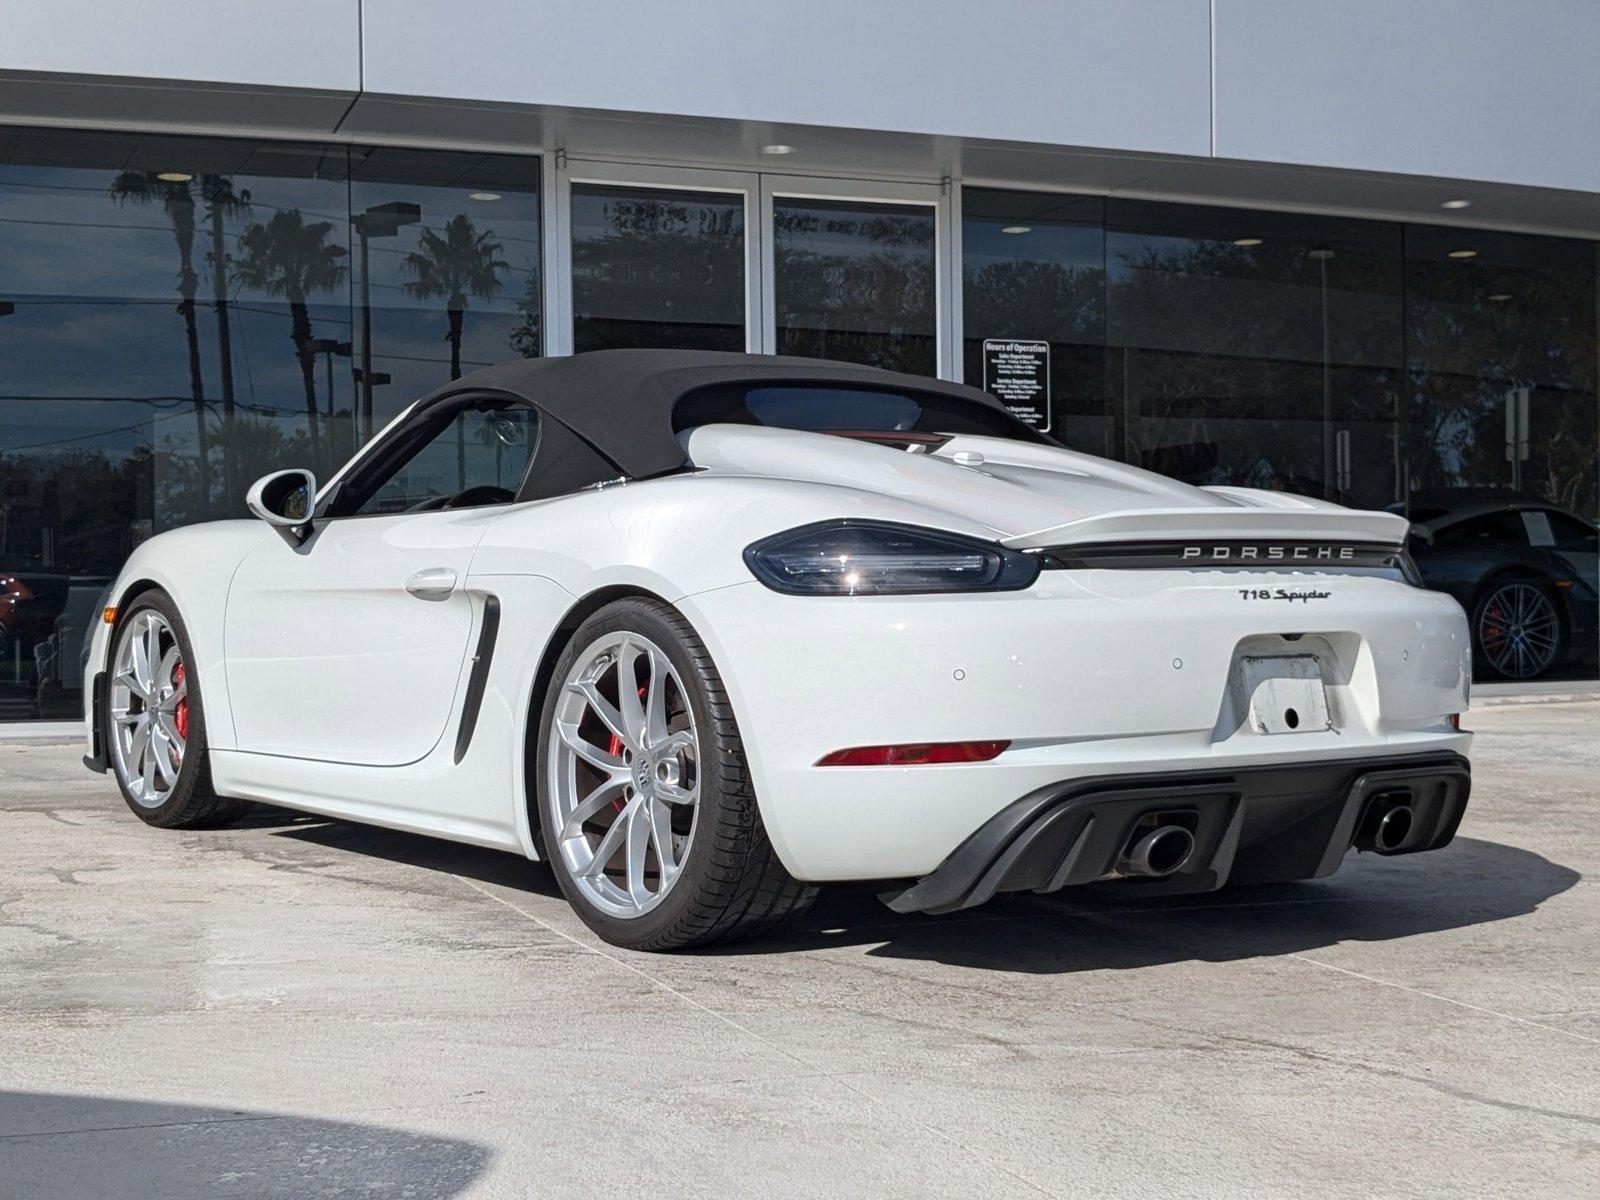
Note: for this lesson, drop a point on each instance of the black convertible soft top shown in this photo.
(622, 401)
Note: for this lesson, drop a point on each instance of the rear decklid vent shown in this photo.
(1214, 553)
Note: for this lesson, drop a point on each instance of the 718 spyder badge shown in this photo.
(1302, 596)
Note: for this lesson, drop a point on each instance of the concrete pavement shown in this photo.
(297, 1007)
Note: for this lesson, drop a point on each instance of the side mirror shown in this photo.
(284, 500)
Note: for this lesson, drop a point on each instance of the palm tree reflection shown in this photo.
(288, 257)
(462, 263)
(175, 194)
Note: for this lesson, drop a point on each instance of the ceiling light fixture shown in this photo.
(777, 148)
(174, 177)
(1463, 254)
(1247, 242)
(1499, 297)
(1016, 229)
(484, 196)
(1456, 204)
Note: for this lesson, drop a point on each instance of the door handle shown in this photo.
(432, 583)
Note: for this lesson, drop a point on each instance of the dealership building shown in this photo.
(1345, 248)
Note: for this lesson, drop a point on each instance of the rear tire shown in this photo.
(154, 721)
(719, 879)
(1517, 629)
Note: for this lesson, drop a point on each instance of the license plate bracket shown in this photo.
(1286, 693)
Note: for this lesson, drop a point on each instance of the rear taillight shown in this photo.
(914, 754)
(881, 558)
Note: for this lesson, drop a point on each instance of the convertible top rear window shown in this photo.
(832, 408)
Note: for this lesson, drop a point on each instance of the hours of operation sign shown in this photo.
(1017, 374)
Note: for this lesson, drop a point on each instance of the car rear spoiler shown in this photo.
(1330, 525)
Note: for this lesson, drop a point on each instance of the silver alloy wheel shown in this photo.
(624, 774)
(148, 708)
(1518, 630)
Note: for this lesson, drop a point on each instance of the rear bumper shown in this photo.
(1258, 825)
(1090, 675)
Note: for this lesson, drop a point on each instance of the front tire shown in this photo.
(155, 724)
(647, 813)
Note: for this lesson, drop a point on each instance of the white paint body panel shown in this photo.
(317, 632)
(1077, 671)
(1087, 673)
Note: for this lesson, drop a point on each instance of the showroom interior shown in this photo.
(185, 306)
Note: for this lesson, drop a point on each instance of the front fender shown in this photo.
(194, 566)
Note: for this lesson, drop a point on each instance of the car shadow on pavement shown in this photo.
(70, 1147)
(1373, 899)
(408, 849)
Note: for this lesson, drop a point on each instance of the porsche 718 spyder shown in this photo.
(705, 631)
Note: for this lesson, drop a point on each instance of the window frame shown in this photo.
(1458, 534)
(935, 197)
(407, 438)
(601, 172)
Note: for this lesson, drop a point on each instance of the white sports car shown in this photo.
(707, 630)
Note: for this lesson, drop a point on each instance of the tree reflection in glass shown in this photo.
(173, 191)
(462, 263)
(1257, 349)
(657, 267)
(855, 282)
(290, 257)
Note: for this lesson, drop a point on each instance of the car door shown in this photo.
(351, 647)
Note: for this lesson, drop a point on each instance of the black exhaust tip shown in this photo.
(1393, 828)
(1159, 853)
(1388, 825)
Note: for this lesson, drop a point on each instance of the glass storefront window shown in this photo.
(1501, 440)
(1256, 349)
(1446, 373)
(657, 267)
(855, 282)
(1033, 274)
(1500, 329)
(451, 243)
(180, 315)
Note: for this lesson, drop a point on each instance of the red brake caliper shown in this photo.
(181, 718)
(613, 748)
(1494, 628)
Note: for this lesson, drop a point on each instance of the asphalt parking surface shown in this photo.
(298, 1007)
